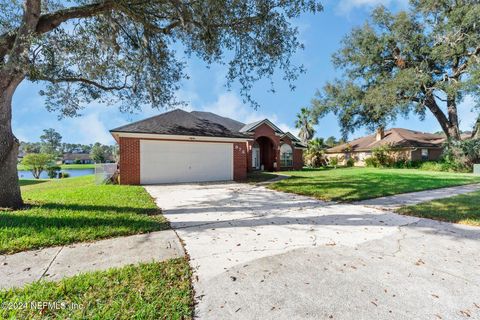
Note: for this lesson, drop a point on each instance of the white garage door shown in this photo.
(177, 161)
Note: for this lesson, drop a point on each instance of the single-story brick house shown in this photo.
(406, 145)
(80, 158)
(180, 146)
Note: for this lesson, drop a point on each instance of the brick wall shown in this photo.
(240, 156)
(265, 130)
(416, 155)
(435, 154)
(297, 159)
(129, 161)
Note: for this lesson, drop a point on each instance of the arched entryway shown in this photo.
(263, 154)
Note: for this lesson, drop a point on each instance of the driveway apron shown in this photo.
(263, 254)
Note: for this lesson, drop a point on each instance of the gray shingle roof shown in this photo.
(180, 122)
(230, 124)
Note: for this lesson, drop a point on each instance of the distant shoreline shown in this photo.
(64, 167)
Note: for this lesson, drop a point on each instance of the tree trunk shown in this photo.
(453, 126)
(454, 132)
(13, 71)
(449, 127)
(10, 196)
(476, 129)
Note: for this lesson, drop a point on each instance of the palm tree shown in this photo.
(316, 144)
(315, 155)
(305, 124)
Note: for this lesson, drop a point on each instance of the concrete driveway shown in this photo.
(262, 254)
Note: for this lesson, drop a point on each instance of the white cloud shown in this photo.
(230, 105)
(346, 6)
(88, 129)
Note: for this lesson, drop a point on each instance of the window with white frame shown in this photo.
(424, 154)
(286, 156)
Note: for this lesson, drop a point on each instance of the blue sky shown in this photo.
(205, 89)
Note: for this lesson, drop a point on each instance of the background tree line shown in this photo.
(51, 143)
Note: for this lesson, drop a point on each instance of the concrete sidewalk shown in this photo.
(406, 199)
(55, 263)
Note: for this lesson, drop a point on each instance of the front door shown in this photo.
(256, 158)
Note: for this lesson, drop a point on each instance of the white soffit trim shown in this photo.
(291, 136)
(176, 137)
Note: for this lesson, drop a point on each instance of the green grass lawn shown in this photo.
(160, 290)
(21, 167)
(77, 166)
(27, 182)
(64, 211)
(464, 209)
(352, 184)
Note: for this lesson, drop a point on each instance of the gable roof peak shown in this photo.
(252, 126)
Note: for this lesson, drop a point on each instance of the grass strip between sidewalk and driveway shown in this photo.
(464, 209)
(260, 176)
(64, 211)
(158, 290)
(354, 184)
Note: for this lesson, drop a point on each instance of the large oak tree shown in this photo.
(422, 61)
(126, 50)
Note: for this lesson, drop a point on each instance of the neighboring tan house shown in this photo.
(80, 158)
(406, 145)
(180, 146)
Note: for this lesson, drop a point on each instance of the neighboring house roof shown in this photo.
(77, 150)
(180, 122)
(77, 156)
(395, 137)
(250, 127)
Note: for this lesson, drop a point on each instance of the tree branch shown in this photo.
(31, 15)
(50, 21)
(461, 69)
(86, 81)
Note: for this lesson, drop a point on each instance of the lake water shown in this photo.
(44, 175)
